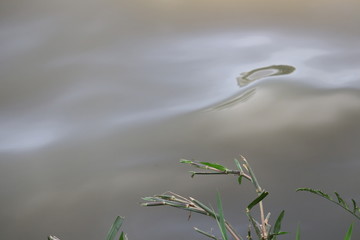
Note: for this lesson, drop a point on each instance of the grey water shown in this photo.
(99, 100)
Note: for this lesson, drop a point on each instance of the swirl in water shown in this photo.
(248, 77)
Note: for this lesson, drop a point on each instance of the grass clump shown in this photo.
(260, 228)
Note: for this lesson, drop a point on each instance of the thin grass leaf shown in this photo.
(238, 165)
(115, 228)
(186, 161)
(215, 165)
(205, 233)
(220, 218)
(153, 204)
(122, 236)
(277, 225)
(249, 237)
(166, 197)
(279, 233)
(349, 233)
(204, 207)
(257, 200)
(240, 179)
(354, 206)
(297, 236)
(314, 191)
(255, 224)
(252, 175)
(341, 201)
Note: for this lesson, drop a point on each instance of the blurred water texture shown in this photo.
(100, 99)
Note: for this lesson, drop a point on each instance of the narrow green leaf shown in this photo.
(280, 233)
(220, 219)
(205, 233)
(186, 161)
(252, 175)
(354, 206)
(340, 200)
(153, 204)
(203, 206)
(121, 236)
(115, 228)
(215, 165)
(277, 225)
(238, 165)
(255, 224)
(297, 237)
(257, 200)
(349, 233)
(240, 179)
(249, 237)
(316, 192)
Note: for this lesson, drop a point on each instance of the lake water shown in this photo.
(100, 99)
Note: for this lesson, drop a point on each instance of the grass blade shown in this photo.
(220, 218)
(205, 233)
(255, 225)
(349, 233)
(122, 236)
(215, 165)
(257, 200)
(252, 175)
(297, 237)
(277, 225)
(115, 228)
(341, 201)
(204, 207)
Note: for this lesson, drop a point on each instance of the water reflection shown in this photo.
(259, 73)
(238, 98)
(246, 78)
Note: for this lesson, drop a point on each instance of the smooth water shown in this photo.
(100, 99)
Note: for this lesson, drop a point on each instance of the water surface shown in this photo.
(100, 99)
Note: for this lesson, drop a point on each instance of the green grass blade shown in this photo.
(297, 236)
(215, 165)
(255, 225)
(238, 165)
(186, 161)
(341, 201)
(354, 206)
(220, 219)
(257, 200)
(115, 228)
(349, 233)
(252, 175)
(204, 207)
(205, 233)
(277, 225)
(316, 192)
